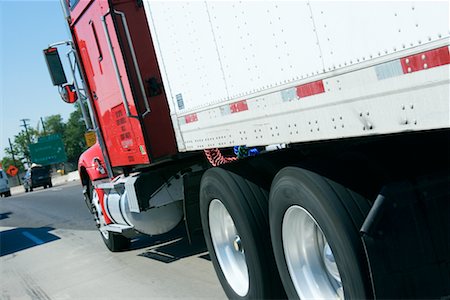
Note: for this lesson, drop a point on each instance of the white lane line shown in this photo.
(33, 238)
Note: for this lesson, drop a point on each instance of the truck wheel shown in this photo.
(315, 224)
(115, 242)
(234, 214)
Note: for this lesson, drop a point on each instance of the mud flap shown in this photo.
(407, 241)
(191, 208)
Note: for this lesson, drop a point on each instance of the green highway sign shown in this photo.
(49, 138)
(48, 150)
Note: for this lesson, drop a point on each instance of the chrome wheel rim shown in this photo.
(98, 214)
(228, 248)
(309, 257)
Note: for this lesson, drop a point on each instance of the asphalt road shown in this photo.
(51, 249)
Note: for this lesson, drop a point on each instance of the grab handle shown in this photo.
(136, 66)
(116, 67)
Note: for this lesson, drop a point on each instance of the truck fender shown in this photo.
(91, 166)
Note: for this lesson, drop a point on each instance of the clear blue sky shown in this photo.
(26, 91)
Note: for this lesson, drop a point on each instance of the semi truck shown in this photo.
(307, 141)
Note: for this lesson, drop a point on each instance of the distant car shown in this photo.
(4, 184)
(37, 176)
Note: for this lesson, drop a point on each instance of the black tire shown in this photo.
(247, 205)
(45, 187)
(338, 212)
(87, 195)
(115, 242)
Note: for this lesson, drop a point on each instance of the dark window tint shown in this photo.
(73, 3)
(39, 172)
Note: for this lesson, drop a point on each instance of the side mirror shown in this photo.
(68, 93)
(54, 66)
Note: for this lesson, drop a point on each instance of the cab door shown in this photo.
(144, 74)
(109, 86)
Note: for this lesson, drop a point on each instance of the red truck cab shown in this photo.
(124, 81)
(121, 85)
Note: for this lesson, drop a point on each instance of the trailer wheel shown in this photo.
(315, 225)
(234, 215)
(115, 242)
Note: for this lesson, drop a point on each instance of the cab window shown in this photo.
(73, 3)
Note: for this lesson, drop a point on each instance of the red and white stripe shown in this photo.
(399, 67)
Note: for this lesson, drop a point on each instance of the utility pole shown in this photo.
(14, 158)
(25, 124)
(43, 126)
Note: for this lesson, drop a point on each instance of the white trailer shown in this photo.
(292, 73)
(259, 73)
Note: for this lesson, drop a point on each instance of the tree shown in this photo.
(74, 135)
(54, 124)
(8, 161)
(21, 142)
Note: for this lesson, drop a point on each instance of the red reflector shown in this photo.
(426, 60)
(238, 106)
(50, 50)
(191, 118)
(309, 89)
